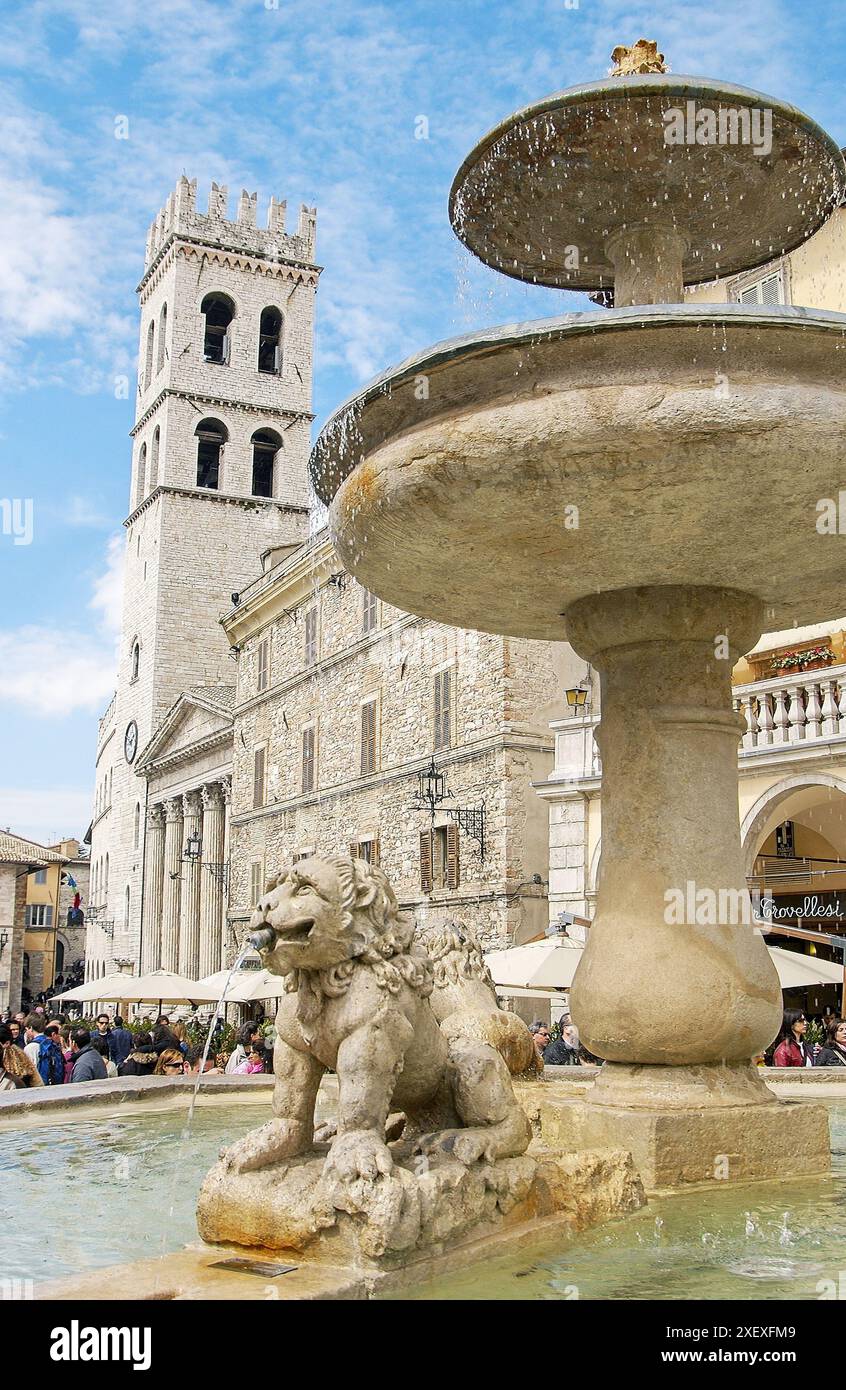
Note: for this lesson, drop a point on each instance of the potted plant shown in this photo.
(806, 659)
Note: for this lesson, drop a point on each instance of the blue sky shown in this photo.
(315, 101)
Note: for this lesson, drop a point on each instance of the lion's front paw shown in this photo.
(467, 1145)
(358, 1154)
(271, 1143)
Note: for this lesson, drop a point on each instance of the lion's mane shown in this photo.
(371, 912)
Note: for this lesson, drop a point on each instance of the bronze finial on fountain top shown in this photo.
(642, 57)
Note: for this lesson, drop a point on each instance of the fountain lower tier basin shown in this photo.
(495, 480)
(776, 1239)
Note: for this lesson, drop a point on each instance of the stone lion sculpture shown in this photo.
(409, 1023)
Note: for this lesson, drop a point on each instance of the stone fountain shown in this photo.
(642, 483)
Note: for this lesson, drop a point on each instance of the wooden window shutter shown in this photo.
(368, 737)
(355, 849)
(374, 851)
(426, 869)
(311, 637)
(308, 760)
(443, 722)
(452, 855)
(258, 778)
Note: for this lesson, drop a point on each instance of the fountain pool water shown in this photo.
(90, 1194)
(768, 1240)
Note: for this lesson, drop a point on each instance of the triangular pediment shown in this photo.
(199, 719)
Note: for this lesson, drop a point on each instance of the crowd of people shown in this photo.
(37, 1050)
(793, 1050)
(563, 1050)
(790, 1048)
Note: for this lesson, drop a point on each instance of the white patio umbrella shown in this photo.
(107, 987)
(252, 985)
(540, 965)
(552, 965)
(165, 987)
(796, 970)
(244, 986)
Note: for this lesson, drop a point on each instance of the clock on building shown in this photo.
(130, 741)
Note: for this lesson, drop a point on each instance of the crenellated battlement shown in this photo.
(180, 217)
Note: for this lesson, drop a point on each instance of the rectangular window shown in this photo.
(39, 915)
(368, 850)
(443, 709)
(368, 737)
(308, 759)
(370, 612)
(258, 777)
(768, 290)
(40, 876)
(311, 637)
(256, 882)
(263, 664)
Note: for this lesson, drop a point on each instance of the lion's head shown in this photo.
(325, 913)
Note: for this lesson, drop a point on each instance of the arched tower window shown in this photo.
(154, 460)
(106, 880)
(270, 341)
(211, 437)
(137, 824)
(139, 479)
(148, 361)
(219, 312)
(160, 359)
(265, 444)
(126, 902)
(135, 660)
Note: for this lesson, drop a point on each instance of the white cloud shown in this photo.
(107, 598)
(80, 511)
(45, 816)
(82, 661)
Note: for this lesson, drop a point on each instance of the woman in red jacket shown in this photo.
(792, 1050)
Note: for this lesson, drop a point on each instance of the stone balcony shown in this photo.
(802, 713)
(788, 718)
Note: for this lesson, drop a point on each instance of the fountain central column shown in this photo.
(675, 981)
(647, 261)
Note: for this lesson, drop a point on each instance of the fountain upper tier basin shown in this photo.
(494, 480)
(541, 194)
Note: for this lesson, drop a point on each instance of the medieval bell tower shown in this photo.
(220, 447)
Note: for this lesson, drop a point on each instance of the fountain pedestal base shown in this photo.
(674, 1143)
(422, 1209)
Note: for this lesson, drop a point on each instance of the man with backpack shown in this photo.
(44, 1049)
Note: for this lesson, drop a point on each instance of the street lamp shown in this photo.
(193, 846)
(431, 788)
(577, 697)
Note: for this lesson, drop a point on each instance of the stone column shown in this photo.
(226, 954)
(151, 938)
(172, 883)
(189, 905)
(647, 261)
(211, 881)
(674, 975)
